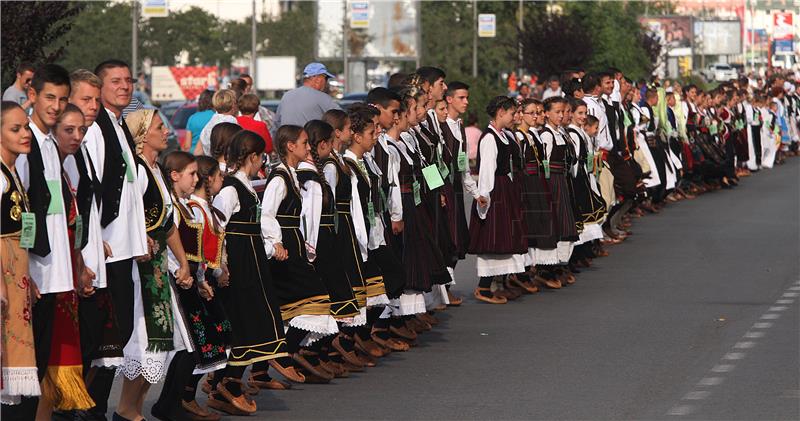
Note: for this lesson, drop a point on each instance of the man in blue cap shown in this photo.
(308, 102)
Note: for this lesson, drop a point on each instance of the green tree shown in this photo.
(30, 30)
(100, 32)
(291, 35)
(194, 32)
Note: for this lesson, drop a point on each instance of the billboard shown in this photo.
(673, 32)
(276, 73)
(487, 25)
(181, 83)
(718, 37)
(385, 29)
(782, 29)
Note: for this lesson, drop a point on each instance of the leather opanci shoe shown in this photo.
(315, 370)
(288, 372)
(491, 299)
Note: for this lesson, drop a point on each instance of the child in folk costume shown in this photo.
(424, 266)
(249, 297)
(319, 225)
(338, 175)
(365, 208)
(496, 228)
(383, 163)
(207, 326)
(17, 290)
(558, 161)
(158, 334)
(221, 136)
(303, 297)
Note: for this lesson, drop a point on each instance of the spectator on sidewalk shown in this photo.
(18, 92)
(225, 109)
(198, 120)
(248, 108)
(308, 102)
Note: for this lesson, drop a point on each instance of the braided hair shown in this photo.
(338, 120)
(207, 167)
(221, 136)
(242, 145)
(361, 116)
(319, 131)
(286, 134)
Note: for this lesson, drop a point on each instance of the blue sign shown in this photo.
(784, 45)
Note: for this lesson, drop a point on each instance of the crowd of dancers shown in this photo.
(118, 259)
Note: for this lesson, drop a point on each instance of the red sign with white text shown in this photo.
(782, 27)
(181, 83)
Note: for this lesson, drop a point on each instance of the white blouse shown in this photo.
(394, 198)
(273, 196)
(311, 213)
(356, 213)
(488, 154)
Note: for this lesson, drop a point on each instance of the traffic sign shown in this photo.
(487, 25)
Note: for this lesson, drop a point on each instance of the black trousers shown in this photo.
(179, 374)
(756, 131)
(120, 285)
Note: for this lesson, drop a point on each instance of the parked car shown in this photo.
(271, 104)
(169, 108)
(719, 72)
(351, 99)
(180, 118)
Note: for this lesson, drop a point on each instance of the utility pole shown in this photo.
(134, 40)
(519, 41)
(474, 38)
(345, 64)
(253, 46)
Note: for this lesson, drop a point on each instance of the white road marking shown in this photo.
(744, 345)
(762, 325)
(790, 294)
(784, 302)
(681, 410)
(733, 356)
(754, 335)
(697, 395)
(770, 316)
(794, 288)
(778, 308)
(710, 381)
(723, 368)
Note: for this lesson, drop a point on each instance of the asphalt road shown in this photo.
(694, 317)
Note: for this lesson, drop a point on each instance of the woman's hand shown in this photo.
(107, 250)
(483, 201)
(85, 287)
(183, 278)
(280, 253)
(225, 279)
(205, 290)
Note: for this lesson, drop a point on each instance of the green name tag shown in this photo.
(28, 230)
(712, 129)
(78, 232)
(258, 213)
(590, 161)
(370, 214)
(546, 165)
(443, 170)
(56, 200)
(415, 189)
(384, 202)
(128, 168)
(462, 161)
(433, 179)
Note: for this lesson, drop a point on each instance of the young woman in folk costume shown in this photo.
(249, 299)
(158, 333)
(556, 151)
(497, 231)
(303, 296)
(17, 290)
(209, 329)
(589, 208)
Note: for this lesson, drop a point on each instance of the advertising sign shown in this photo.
(155, 9)
(782, 26)
(276, 73)
(487, 25)
(181, 83)
(359, 14)
(718, 37)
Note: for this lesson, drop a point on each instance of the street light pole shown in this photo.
(134, 40)
(253, 46)
(474, 38)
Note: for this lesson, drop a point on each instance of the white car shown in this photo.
(720, 72)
